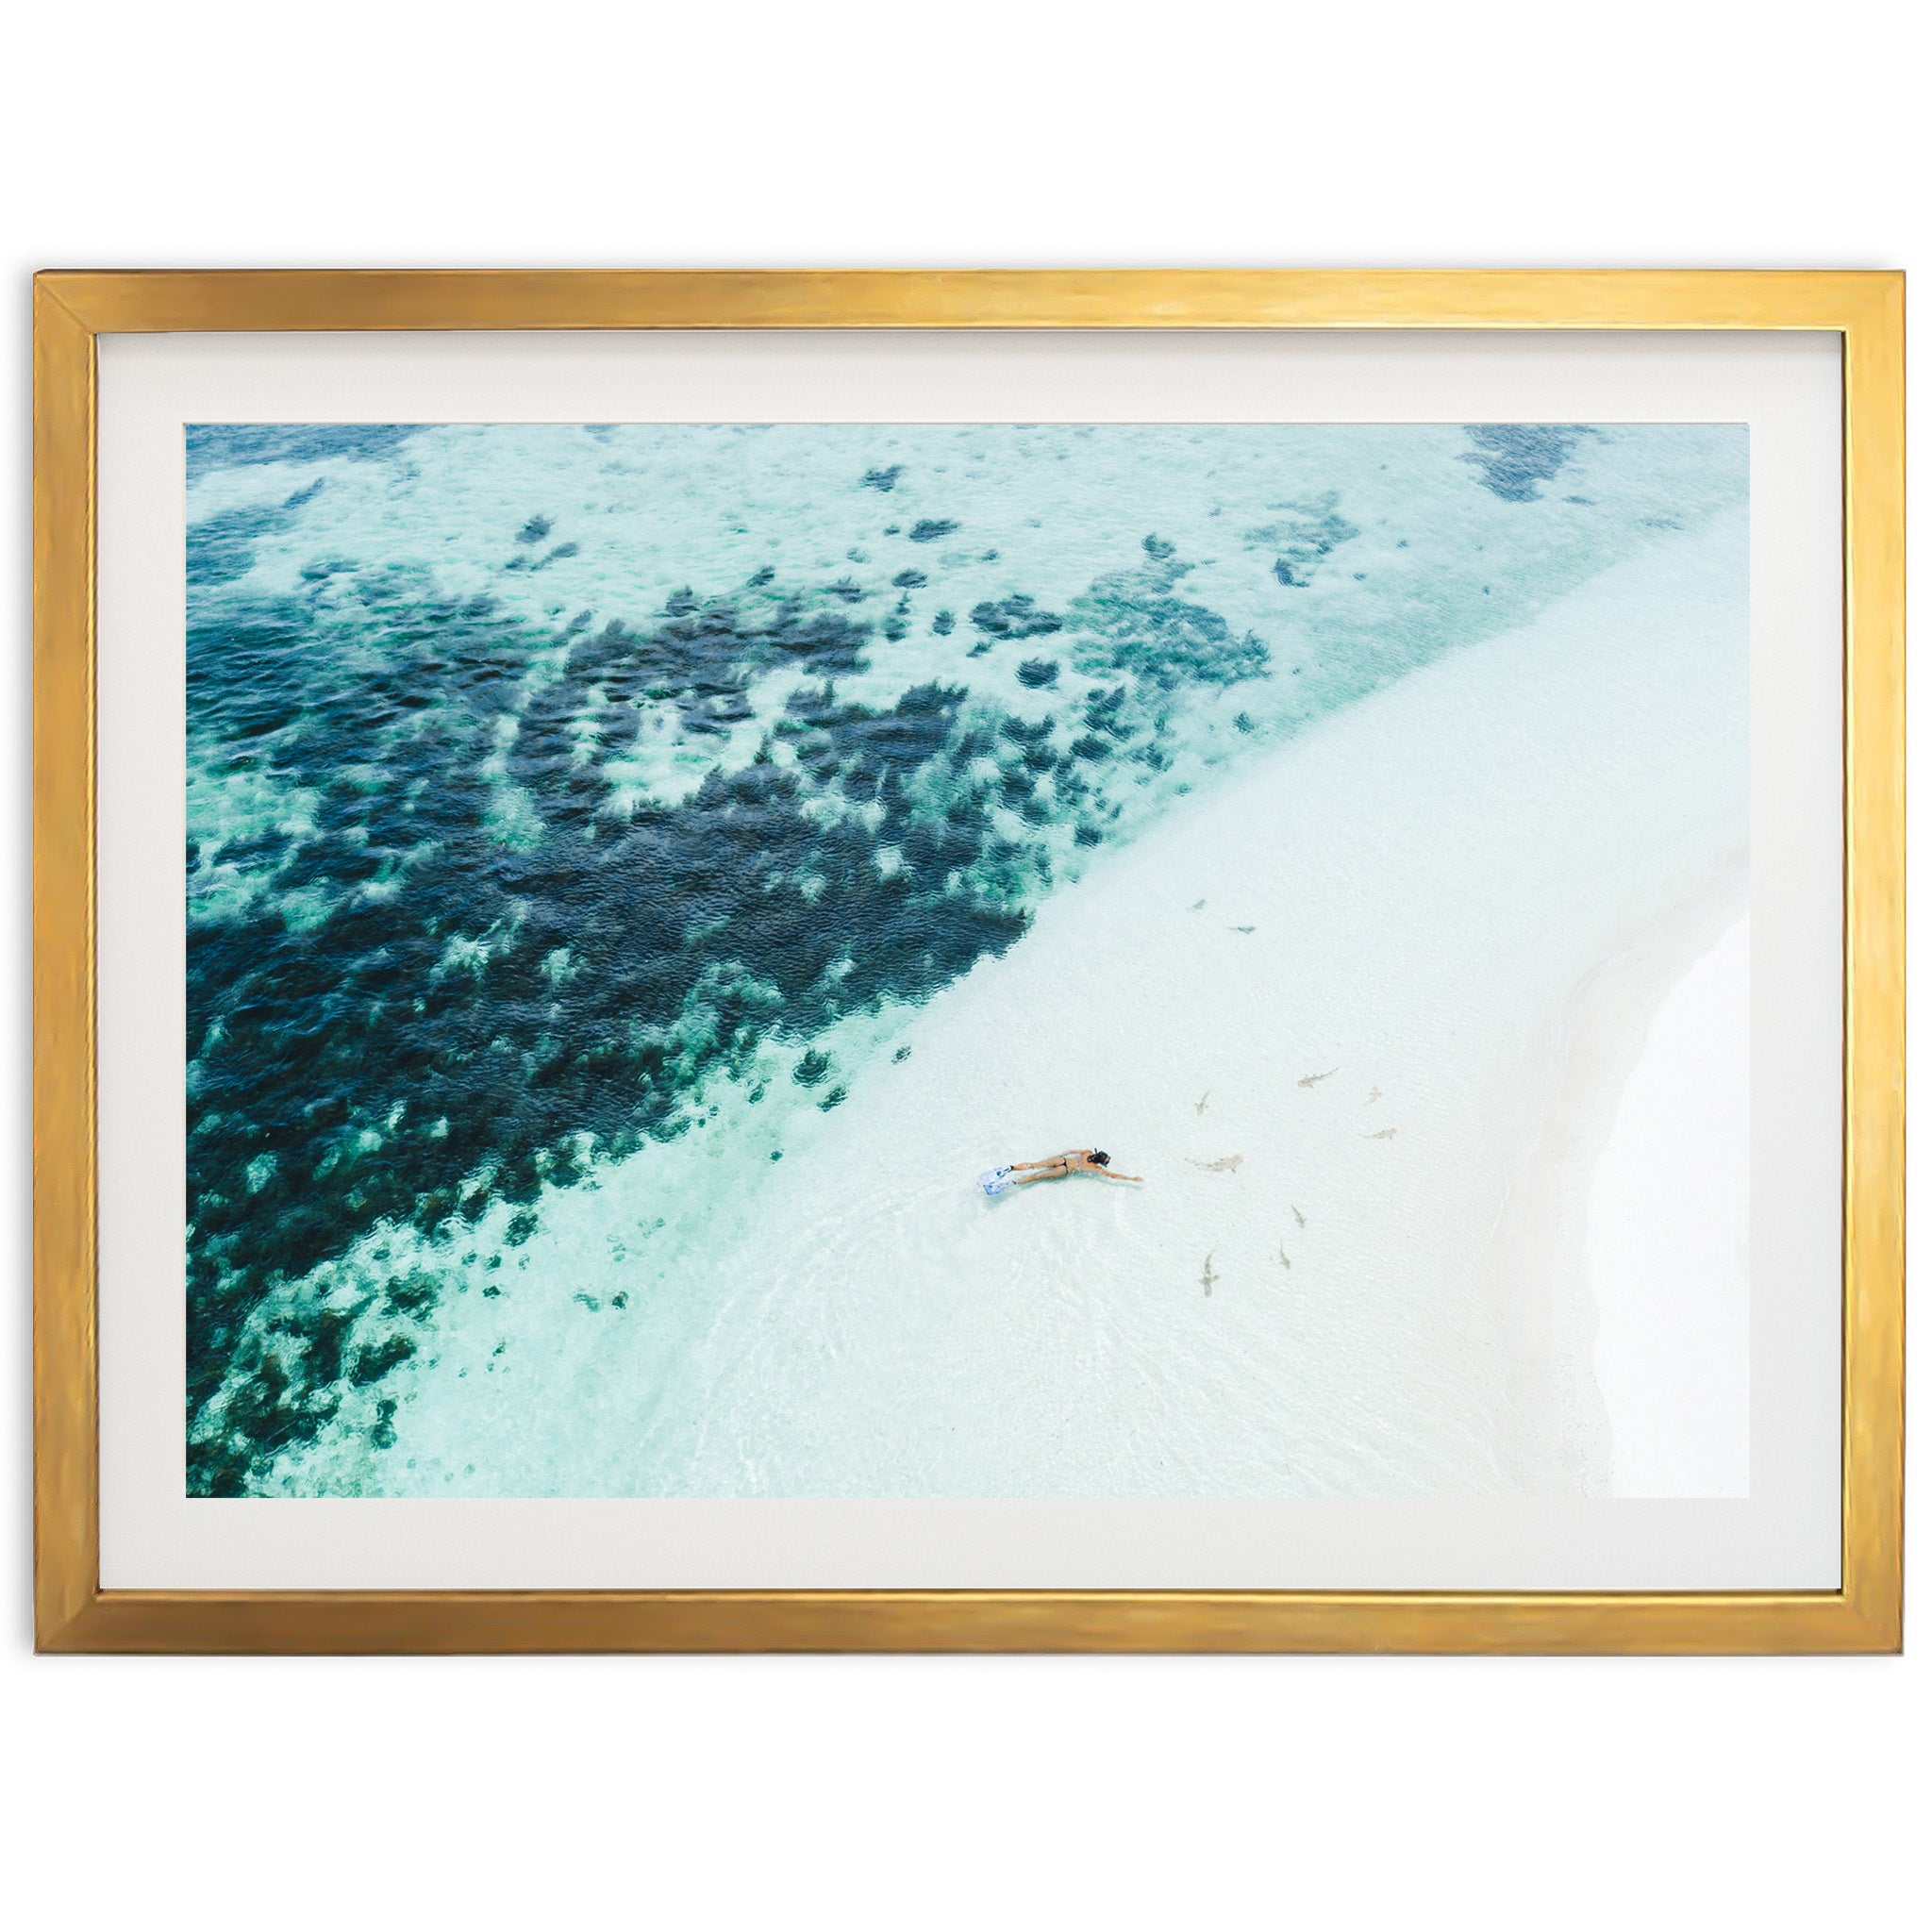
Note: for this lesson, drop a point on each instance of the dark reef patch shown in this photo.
(1515, 458)
(1015, 617)
(1301, 537)
(231, 446)
(221, 547)
(1132, 622)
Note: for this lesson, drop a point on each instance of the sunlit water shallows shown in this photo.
(583, 818)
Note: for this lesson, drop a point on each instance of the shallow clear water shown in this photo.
(576, 812)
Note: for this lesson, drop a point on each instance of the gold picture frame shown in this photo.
(74, 1613)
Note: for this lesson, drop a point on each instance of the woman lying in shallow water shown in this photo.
(1055, 1166)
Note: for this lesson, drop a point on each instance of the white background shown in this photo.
(910, 1791)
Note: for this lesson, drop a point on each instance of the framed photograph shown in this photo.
(977, 961)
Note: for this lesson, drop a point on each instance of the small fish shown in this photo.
(1387, 1134)
(1241, 928)
(1374, 1094)
(1201, 1104)
(1281, 1254)
(1300, 1218)
(1197, 905)
(1228, 1163)
(1208, 1278)
(1309, 1079)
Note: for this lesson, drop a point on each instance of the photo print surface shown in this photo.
(657, 894)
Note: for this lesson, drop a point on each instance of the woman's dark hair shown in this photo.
(1099, 1158)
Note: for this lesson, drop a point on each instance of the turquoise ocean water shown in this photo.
(564, 797)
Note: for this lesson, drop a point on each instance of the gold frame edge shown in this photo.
(72, 1613)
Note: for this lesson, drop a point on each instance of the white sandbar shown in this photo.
(1669, 1242)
